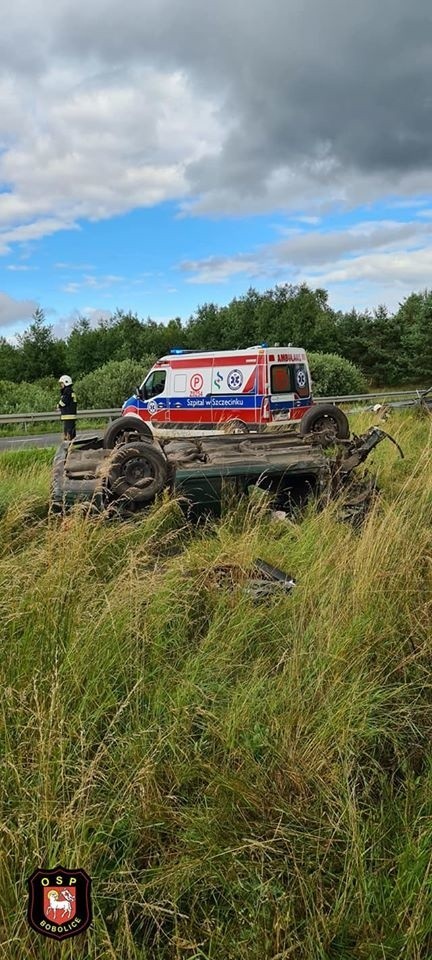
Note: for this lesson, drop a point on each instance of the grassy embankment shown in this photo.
(240, 781)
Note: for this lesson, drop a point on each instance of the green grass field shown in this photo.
(240, 781)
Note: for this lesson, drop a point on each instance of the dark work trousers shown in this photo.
(69, 431)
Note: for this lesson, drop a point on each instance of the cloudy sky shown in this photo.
(157, 154)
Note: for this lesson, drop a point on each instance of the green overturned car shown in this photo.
(202, 471)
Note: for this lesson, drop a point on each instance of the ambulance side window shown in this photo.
(155, 384)
(180, 383)
(280, 378)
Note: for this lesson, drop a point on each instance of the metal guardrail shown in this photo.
(113, 412)
(381, 395)
(43, 417)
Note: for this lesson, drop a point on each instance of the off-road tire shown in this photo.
(325, 418)
(137, 472)
(124, 427)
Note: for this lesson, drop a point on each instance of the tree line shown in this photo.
(389, 348)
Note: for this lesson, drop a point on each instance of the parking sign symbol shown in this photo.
(196, 382)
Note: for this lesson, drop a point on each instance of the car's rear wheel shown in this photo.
(125, 430)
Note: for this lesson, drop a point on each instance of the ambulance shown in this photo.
(237, 389)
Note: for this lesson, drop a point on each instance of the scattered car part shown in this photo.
(271, 582)
(273, 573)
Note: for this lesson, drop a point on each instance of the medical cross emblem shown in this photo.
(235, 379)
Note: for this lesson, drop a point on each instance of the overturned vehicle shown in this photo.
(203, 472)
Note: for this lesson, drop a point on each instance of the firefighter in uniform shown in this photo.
(68, 407)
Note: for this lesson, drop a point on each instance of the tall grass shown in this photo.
(241, 781)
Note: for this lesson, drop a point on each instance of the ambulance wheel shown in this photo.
(124, 429)
(235, 426)
(327, 419)
(137, 472)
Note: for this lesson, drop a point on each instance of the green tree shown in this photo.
(415, 319)
(9, 361)
(41, 355)
(111, 384)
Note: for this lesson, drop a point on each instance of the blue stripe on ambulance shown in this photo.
(289, 404)
(227, 401)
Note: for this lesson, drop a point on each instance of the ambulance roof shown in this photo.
(260, 348)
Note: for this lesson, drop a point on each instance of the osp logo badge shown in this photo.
(59, 902)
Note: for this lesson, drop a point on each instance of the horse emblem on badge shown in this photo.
(235, 379)
(59, 902)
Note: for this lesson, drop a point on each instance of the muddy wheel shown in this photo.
(137, 472)
(326, 419)
(125, 429)
(235, 426)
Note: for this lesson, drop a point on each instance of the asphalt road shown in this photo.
(44, 440)
(54, 439)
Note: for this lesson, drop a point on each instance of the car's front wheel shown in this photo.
(137, 472)
(327, 419)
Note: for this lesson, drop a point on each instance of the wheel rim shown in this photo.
(325, 423)
(138, 472)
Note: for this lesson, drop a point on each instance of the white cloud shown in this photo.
(311, 251)
(19, 267)
(311, 221)
(390, 258)
(14, 311)
(90, 147)
(219, 269)
(96, 314)
(107, 107)
(31, 231)
(228, 108)
(408, 268)
(92, 282)
(73, 266)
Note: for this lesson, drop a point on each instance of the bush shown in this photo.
(333, 375)
(27, 397)
(111, 384)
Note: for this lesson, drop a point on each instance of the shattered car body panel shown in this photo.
(200, 471)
